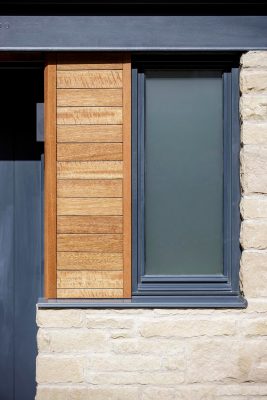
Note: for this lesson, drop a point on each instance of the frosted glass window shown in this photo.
(183, 172)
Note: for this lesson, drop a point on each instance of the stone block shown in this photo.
(253, 274)
(252, 207)
(253, 160)
(160, 378)
(60, 369)
(188, 328)
(60, 318)
(110, 362)
(254, 133)
(213, 361)
(117, 322)
(254, 81)
(148, 346)
(72, 340)
(254, 234)
(254, 59)
(86, 393)
(253, 107)
(254, 327)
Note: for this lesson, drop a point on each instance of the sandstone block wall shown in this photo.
(165, 354)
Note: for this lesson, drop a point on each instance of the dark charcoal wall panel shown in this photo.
(20, 231)
(6, 279)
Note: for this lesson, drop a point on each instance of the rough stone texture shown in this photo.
(167, 354)
(254, 234)
(254, 207)
(58, 368)
(176, 354)
(253, 274)
(253, 132)
(253, 81)
(254, 59)
(254, 169)
(254, 107)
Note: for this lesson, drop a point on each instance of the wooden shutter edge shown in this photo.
(127, 245)
(50, 178)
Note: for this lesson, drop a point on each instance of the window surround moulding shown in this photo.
(192, 289)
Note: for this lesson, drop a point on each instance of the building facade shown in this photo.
(134, 209)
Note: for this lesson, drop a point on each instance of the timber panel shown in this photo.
(89, 261)
(89, 151)
(93, 175)
(89, 133)
(89, 188)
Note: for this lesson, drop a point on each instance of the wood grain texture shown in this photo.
(89, 133)
(127, 195)
(89, 170)
(90, 206)
(50, 183)
(89, 293)
(89, 224)
(90, 279)
(84, 61)
(107, 79)
(89, 115)
(89, 151)
(89, 188)
(93, 175)
(89, 97)
(106, 243)
(90, 261)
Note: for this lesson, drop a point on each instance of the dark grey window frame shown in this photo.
(192, 288)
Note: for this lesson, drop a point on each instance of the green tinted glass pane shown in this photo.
(183, 172)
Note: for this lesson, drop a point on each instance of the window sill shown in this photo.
(232, 301)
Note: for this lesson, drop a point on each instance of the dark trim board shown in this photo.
(233, 301)
(132, 33)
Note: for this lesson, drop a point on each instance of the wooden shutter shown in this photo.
(88, 176)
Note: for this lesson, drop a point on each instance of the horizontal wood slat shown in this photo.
(89, 133)
(89, 97)
(84, 61)
(89, 293)
(90, 279)
(90, 206)
(89, 188)
(89, 261)
(89, 79)
(89, 170)
(89, 224)
(92, 242)
(89, 151)
(89, 115)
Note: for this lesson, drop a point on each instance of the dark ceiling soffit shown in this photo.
(133, 33)
(133, 2)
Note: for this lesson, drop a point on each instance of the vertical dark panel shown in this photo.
(27, 273)
(27, 247)
(6, 248)
(20, 231)
(6, 279)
